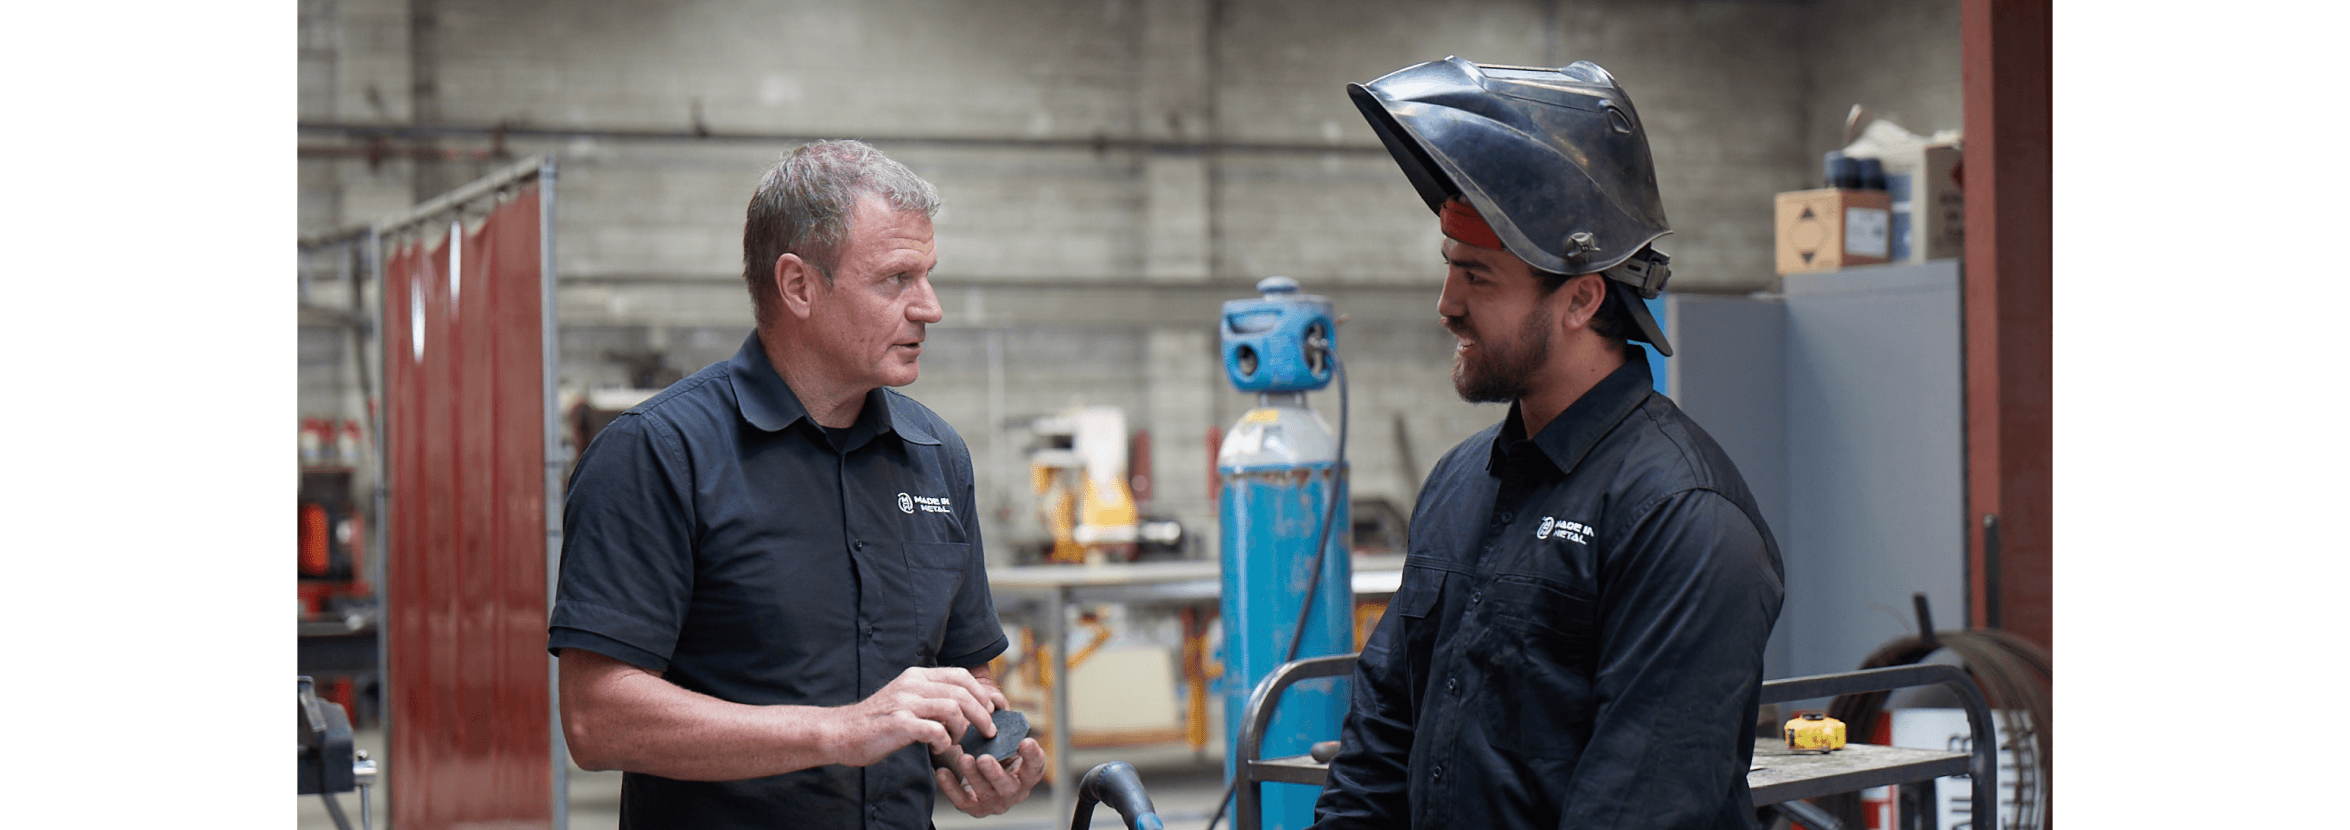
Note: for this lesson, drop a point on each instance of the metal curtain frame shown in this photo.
(541, 169)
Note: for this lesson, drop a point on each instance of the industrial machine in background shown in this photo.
(327, 759)
(332, 567)
(1089, 477)
(1287, 579)
(336, 606)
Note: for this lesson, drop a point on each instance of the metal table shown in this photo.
(1777, 775)
(1048, 591)
(335, 647)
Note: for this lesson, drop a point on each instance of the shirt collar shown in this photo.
(768, 403)
(1571, 435)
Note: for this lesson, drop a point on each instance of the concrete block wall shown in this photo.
(1899, 60)
(1078, 259)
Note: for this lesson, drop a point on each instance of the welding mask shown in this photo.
(1555, 160)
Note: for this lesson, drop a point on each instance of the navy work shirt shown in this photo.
(717, 534)
(1578, 638)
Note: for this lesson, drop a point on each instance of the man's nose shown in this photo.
(925, 308)
(1448, 302)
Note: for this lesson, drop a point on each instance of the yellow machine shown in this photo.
(1081, 489)
(1815, 731)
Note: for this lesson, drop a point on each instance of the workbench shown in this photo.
(1045, 593)
(344, 655)
(1777, 774)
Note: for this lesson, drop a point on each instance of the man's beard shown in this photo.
(1502, 372)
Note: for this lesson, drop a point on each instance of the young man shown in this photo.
(1578, 638)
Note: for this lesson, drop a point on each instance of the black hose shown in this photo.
(1118, 785)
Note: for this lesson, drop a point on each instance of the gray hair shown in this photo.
(804, 203)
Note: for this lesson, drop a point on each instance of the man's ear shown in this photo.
(1584, 294)
(795, 285)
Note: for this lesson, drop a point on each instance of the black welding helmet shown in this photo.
(1554, 159)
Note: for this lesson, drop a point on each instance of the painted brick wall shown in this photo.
(1048, 243)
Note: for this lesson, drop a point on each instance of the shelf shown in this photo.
(1778, 774)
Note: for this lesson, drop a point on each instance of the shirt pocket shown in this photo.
(1416, 594)
(1541, 646)
(1407, 612)
(937, 571)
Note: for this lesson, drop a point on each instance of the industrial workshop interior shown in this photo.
(1188, 332)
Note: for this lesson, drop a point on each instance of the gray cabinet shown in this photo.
(1841, 400)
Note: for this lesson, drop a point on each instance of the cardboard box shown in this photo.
(1929, 206)
(1830, 228)
(1938, 206)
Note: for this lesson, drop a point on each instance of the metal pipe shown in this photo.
(1099, 142)
(379, 565)
(1056, 636)
(552, 462)
(1257, 717)
(350, 234)
(507, 176)
(1991, 570)
(378, 151)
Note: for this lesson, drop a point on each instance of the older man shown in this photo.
(773, 609)
(1578, 638)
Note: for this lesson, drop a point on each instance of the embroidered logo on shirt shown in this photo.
(1576, 532)
(929, 504)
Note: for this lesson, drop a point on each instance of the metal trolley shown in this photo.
(1778, 777)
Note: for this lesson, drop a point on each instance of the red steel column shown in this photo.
(2005, 48)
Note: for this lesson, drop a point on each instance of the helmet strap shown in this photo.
(1647, 271)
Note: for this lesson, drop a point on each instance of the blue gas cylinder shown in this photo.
(1278, 469)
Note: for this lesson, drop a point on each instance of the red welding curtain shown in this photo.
(466, 574)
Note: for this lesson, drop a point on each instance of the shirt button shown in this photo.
(858, 545)
(1437, 773)
(1476, 597)
(1452, 684)
(1507, 517)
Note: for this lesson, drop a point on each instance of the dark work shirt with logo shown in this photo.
(1578, 638)
(717, 534)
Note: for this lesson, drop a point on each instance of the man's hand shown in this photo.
(982, 787)
(923, 705)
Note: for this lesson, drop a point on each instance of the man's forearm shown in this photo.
(617, 716)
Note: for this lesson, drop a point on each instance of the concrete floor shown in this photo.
(1182, 785)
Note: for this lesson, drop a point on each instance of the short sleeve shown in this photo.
(626, 574)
